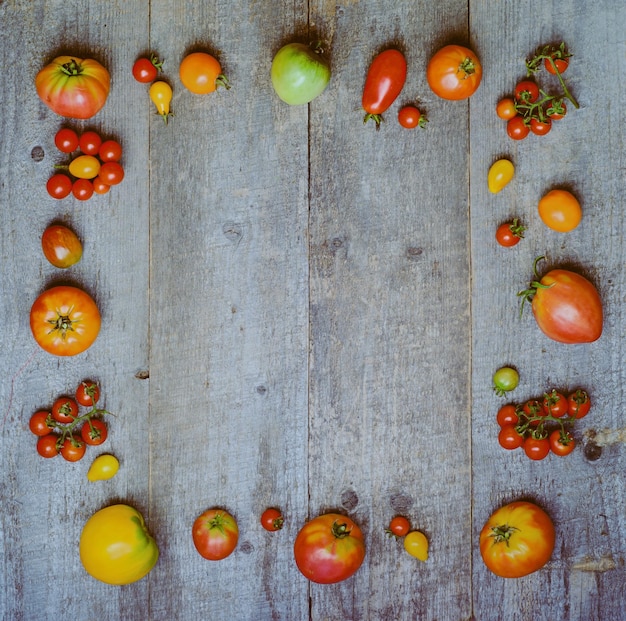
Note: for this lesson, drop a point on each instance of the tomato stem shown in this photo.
(71, 68)
(502, 533)
(377, 118)
(340, 530)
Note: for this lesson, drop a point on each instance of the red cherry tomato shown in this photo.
(561, 443)
(47, 445)
(578, 403)
(215, 534)
(516, 128)
(145, 70)
(509, 438)
(88, 393)
(59, 186)
(272, 519)
(399, 526)
(526, 91)
(94, 432)
(555, 404)
(66, 140)
(110, 151)
(82, 189)
(111, 173)
(99, 186)
(540, 128)
(73, 448)
(89, 143)
(508, 234)
(38, 423)
(384, 82)
(507, 415)
(561, 65)
(536, 448)
(65, 410)
(410, 117)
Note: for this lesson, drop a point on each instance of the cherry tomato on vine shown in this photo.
(454, 72)
(73, 448)
(526, 91)
(272, 519)
(509, 438)
(110, 151)
(59, 186)
(561, 442)
(540, 128)
(410, 117)
(82, 189)
(578, 403)
(507, 415)
(508, 234)
(516, 128)
(399, 526)
(89, 142)
(384, 82)
(561, 65)
(505, 108)
(560, 211)
(111, 173)
(556, 110)
(66, 140)
(65, 409)
(94, 432)
(555, 404)
(88, 393)
(38, 423)
(47, 445)
(201, 73)
(145, 70)
(505, 379)
(536, 448)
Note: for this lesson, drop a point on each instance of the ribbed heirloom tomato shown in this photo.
(329, 548)
(517, 540)
(454, 72)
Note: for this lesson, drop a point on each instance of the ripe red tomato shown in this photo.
(66, 140)
(64, 320)
(410, 117)
(110, 151)
(215, 534)
(555, 404)
(329, 548)
(578, 403)
(89, 143)
(566, 306)
(517, 540)
(505, 108)
(540, 128)
(536, 448)
(561, 443)
(73, 87)
(517, 129)
(399, 526)
(47, 445)
(82, 189)
(65, 410)
(38, 423)
(59, 186)
(73, 448)
(272, 519)
(88, 393)
(508, 234)
(526, 91)
(507, 415)
(145, 70)
(94, 432)
(99, 186)
(111, 173)
(509, 438)
(384, 82)
(454, 72)
(201, 73)
(61, 246)
(556, 110)
(561, 65)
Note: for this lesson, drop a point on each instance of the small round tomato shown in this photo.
(215, 534)
(94, 432)
(578, 403)
(555, 404)
(508, 234)
(517, 540)
(559, 65)
(145, 70)
(64, 320)
(39, 423)
(61, 246)
(560, 211)
(505, 108)
(410, 117)
(517, 128)
(272, 519)
(329, 548)
(505, 379)
(73, 448)
(104, 467)
(526, 91)
(99, 186)
(533, 407)
(59, 186)
(536, 448)
(556, 110)
(416, 544)
(88, 393)
(66, 140)
(47, 445)
(201, 73)
(500, 174)
(509, 438)
(82, 189)
(540, 128)
(507, 415)
(454, 72)
(110, 151)
(561, 442)
(111, 173)
(65, 410)
(399, 526)
(89, 143)
(85, 166)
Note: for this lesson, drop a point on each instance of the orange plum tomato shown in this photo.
(454, 72)
(517, 540)
(215, 534)
(64, 320)
(73, 87)
(61, 246)
(560, 211)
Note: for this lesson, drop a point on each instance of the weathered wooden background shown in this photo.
(300, 311)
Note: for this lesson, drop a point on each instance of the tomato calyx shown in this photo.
(467, 67)
(502, 533)
(377, 118)
(340, 529)
(72, 68)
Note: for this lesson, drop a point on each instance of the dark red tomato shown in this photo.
(536, 448)
(578, 403)
(329, 548)
(555, 404)
(89, 143)
(540, 128)
(73, 448)
(508, 234)
(516, 128)
(94, 432)
(111, 173)
(59, 186)
(66, 140)
(561, 65)
(509, 439)
(272, 519)
(561, 442)
(88, 393)
(65, 410)
(110, 151)
(47, 445)
(82, 189)
(399, 526)
(533, 407)
(410, 117)
(384, 82)
(38, 423)
(507, 415)
(526, 91)
(145, 70)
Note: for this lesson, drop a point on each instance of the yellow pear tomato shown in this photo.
(103, 467)
(115, 546)
(499, 175)
(416, 544)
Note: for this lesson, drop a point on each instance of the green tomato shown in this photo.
(299, 74)
(505, 380)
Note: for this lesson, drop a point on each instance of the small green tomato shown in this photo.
(505, 379)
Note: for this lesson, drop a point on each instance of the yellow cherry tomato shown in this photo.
(560, 211)
(500, 174)
(115, 546)
(103, 467)
(161, 95)
(416, 544)
(85, 167)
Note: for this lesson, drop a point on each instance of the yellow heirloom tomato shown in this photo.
(115, 546)
(499, 175)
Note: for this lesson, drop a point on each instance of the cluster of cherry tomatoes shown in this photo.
(64, 430)
(531, 109)
(543, 425)
(415, 541)
(95, 169)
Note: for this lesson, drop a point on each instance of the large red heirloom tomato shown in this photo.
(73, 87)
(454, 72)
(329, 548)
(517, 540)
(64, 320)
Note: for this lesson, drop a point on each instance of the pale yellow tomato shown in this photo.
(499, 175)
(416, 544)
(103, 467)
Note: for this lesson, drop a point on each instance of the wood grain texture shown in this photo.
(316, 309)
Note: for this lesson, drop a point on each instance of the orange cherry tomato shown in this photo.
(560, 211)
(505, 108)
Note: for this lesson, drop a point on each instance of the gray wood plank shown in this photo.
(584, 152)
